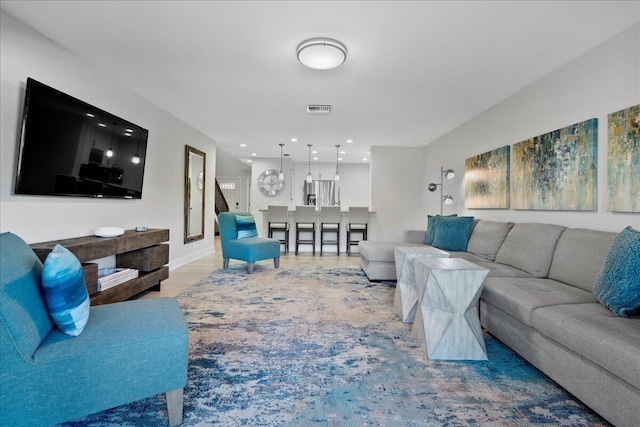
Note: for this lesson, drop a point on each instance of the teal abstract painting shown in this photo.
(557, 170)
(623, 160)
(486, 180)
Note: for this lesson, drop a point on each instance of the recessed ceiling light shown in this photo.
(294, 139)
(349, 141)
(315, 158)
(249, 160)
(339, 158)
(364, 159)
(343, 152)
(314, 152)
(253, 154)
(243, 145)
(321, 53)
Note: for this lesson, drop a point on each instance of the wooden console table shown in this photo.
(143, 251)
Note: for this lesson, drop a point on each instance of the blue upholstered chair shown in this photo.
(128, 351)
(250, 249)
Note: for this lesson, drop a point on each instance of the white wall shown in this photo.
(228, 166)
(26, 53)
(396, 192)
(604, 80)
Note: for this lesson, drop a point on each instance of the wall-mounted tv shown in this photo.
(71, 148)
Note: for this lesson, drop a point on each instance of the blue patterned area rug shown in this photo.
(321, 346)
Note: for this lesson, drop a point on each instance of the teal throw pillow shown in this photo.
(65, 291)
(452, 233)
(618, 285)
(246, 226)
(431, 228)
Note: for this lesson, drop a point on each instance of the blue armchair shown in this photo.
(127, 351)
(250, 249)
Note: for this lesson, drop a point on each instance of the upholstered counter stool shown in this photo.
(357, 222)
(278, 222)
(330, 223)
(306, 223)
(406, 296)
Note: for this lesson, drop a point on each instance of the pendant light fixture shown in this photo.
(109, 152)
(136, 159)
(309, 176)
(337, 177)
(281, 174)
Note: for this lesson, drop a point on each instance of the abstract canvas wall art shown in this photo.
(486, 180)
(623, 160)
(557, 170)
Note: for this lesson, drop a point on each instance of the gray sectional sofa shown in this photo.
(538, 300)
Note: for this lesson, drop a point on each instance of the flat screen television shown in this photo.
(71, 148)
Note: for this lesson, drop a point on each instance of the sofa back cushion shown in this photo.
(579, 256)
(487, 237)
(23, 315)
(530, 247)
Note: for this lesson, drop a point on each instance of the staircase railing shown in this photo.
(220, 203)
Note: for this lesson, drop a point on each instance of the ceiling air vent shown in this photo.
(318, 109)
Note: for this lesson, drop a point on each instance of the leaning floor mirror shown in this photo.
(194, 192)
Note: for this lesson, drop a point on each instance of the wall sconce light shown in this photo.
(281, 174)
(444, 199)
(309, 176)
(337, 177)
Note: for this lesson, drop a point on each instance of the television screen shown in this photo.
(71, 148)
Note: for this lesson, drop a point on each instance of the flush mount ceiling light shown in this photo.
(321, 53)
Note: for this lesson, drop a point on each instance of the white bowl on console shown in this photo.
(109, 231)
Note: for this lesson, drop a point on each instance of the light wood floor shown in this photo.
(182, 278)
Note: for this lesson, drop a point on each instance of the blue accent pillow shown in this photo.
(246, 226)
(431, 228)
(618, 285)
(65, 291)
(452, 233)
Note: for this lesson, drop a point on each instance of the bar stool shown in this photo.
(358, 222)
(330, 223)
(278, 217)
(306, 223)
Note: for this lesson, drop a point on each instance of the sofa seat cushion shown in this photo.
(128, 351)
(487, 237)
(530, 247)
(595, 333)
(380, 251)
(519, 297)
(501, 270)
(467, 255)
(252, 249)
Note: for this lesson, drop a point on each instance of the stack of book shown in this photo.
(110, 277)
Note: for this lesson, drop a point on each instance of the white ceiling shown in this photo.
(414, 70)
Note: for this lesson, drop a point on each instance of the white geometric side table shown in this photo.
(406, 296)
(446, 323)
